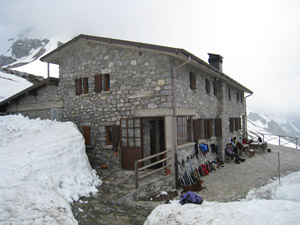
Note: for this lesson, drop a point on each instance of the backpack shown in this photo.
(190, 197)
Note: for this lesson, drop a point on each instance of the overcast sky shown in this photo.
(259, 39)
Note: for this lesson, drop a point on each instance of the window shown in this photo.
(218, 127)
(229, 94)
(192, 81)
(108, 131)
(54, 114)
(102, 82)
(82, 86)
(207, 86)
(197, 125)
(131, 132)
(207, 128)
(183, 130)
(242, 97)
(235, 124)
(215, 88)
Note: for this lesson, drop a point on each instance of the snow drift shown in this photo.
(43, 167)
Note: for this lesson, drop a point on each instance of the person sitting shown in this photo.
(229, 152)
(233, 143)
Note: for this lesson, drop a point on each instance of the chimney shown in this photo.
(215, 61)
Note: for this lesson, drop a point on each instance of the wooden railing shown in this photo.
(137, 170)
(282, 139)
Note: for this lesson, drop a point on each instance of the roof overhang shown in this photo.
(55, 55)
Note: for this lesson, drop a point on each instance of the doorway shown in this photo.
(157, 140)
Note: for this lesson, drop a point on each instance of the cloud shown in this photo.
(259, 40)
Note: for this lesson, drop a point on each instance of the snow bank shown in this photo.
(281, 206)
(43, 167)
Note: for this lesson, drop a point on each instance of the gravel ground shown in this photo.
(229, 183)
(233, 181)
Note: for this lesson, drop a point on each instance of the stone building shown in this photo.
(113, 88)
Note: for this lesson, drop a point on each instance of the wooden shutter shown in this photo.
(192, 81)
(236, 124)
(98, 83)
(215, 88)
(86, 135)
(78, 89)
(209, 128)
(218, 127)
(196, 126)
(207, 86)
(115, 135)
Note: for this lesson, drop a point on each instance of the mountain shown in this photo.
(25, 50)
(270, 127)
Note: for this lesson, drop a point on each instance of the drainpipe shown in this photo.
(175, 116)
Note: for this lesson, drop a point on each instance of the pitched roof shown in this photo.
(55, 55)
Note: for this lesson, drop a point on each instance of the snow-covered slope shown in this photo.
(43, 167)
(25, 50)
(259, 123)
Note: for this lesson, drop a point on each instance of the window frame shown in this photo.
(184, 130)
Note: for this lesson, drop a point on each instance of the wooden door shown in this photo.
(131, 142)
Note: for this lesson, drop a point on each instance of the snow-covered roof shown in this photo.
(55, 55)
(32, 89)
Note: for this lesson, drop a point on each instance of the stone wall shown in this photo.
(38, 105)
(209, 105)
(138, 80)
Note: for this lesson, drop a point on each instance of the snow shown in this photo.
(43, 168)
(11, 85)
(40, 68)
(271, 204)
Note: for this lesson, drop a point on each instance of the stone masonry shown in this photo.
(140, 80)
